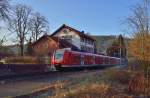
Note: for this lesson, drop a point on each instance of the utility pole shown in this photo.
(146, 4)
(120, 49)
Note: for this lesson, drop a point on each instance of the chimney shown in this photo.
(82, 32)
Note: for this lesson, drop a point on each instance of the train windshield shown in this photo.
(59, 55)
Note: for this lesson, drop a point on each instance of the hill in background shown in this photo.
(103, 42)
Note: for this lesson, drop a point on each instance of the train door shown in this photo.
(103, 58)
(82, 59)
(109, 60)
(94, 57)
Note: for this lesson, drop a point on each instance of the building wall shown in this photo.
(70, 36)
(45, 46)
(87, 45)
(82, 43)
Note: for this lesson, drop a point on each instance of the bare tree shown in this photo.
(2, 42)
(4, 15)
(139, 23)
(20, 24)
(4, 9)
(38, 25)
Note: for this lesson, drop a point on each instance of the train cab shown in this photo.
(57, 58)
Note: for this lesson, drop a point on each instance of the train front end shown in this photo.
(57, 59)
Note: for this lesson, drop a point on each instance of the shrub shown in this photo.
(138, 84)
(21, 60)
(121, 76)
(133, 64)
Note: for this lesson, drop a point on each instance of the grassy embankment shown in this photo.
(111, 83)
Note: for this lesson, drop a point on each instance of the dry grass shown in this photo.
(19, 60)
(26, 60)
(91, 91)
(97, 86)
(139, 84)
(84, 91)
(119, 76)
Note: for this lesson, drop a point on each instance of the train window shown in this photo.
(82, 39)
(59, 55)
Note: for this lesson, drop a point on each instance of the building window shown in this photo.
(82, 39)
(89, 42)
(67, 37)
(86, 41)
(65, 31)
(87, 49)
(62, 37)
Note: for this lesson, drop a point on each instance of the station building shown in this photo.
(64, 37)
(78, 38)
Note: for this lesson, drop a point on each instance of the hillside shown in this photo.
(103, 42)
(11, 49)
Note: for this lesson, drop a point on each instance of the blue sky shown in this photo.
(98, 17)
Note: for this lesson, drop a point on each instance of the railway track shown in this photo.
(17, 77)
(51, 74)
(21, 77)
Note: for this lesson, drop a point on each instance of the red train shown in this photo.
(62, 59)
(67, 58)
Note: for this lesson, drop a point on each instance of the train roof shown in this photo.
(68, 49)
